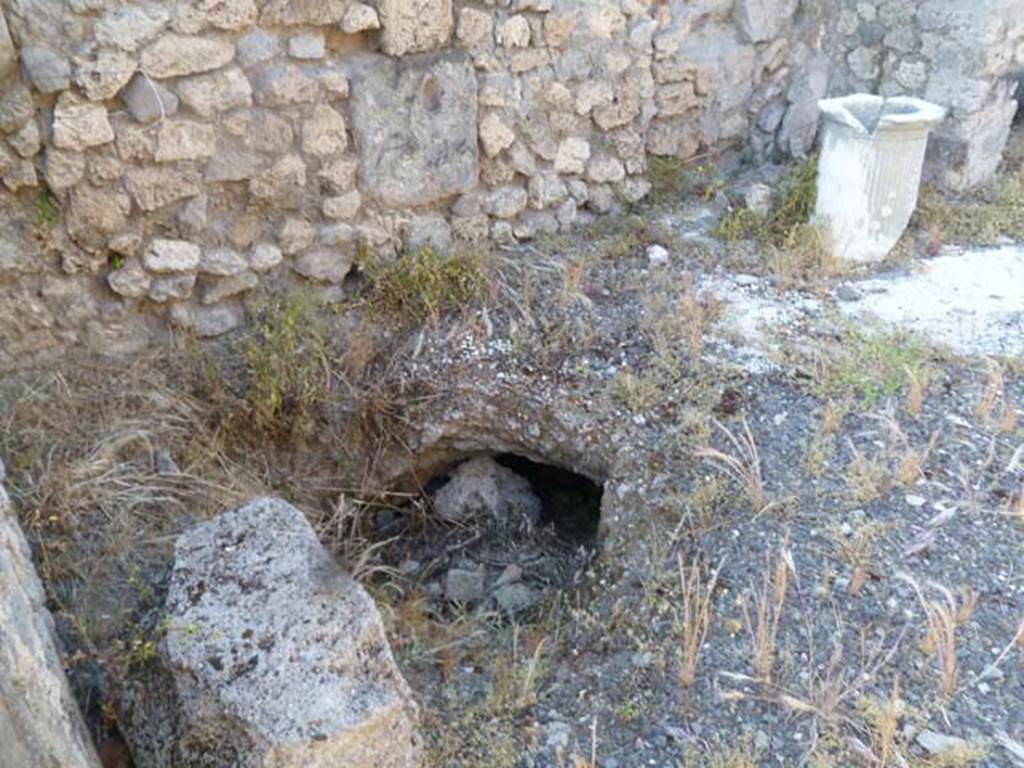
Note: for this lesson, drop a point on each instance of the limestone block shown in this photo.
(130, 281)
(148, 101)
(572, 156)
(323, 134)
(185, 140)
(415, 124)
(63, 169)
(505, 202)
(177, 55)
(215, 92)
(285, 85)
(152, 188)
(95, 213)
(16, 108)
(415, 26)
(175, 287)
(164, 255)
(360, 18)
(275, 656)
(39, 720)
(329, 265)
(495, 135)
(47, 70)
(303, 12)
(309, 45)
(222, 262)
(264, 257)
(78, 125)
(281, 180)
(129, 26)
(256, 47)
(344, 206)
(227, 287)
(475, 28)
(761, 20)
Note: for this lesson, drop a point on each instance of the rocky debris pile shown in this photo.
(493, 552)
(40, 724)
(270, 654)
(481, 487)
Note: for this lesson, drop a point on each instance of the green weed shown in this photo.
(287, 362)
(993, 213)
(868, 364)
(47, 209)
(424, 284)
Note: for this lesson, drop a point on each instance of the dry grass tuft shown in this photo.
(762, 613)
(743, 465)
(944, 614)
(694, 618)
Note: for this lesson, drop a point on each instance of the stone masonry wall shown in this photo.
(194, 149)
(967, 55)
(160, 160)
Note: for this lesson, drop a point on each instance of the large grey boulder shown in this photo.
(40, 725)
(415, 125)
(271, 655)
(482, 488)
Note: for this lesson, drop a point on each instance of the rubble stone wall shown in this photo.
(192, 150)
(159, 160)
(967, 55)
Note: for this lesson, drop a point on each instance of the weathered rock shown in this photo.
(343, 206)
(274, 656)
(513, 598)
(148, 101)
(207, 322)
(296, 236)
(415, 26)
(177, 55)
(185, 140)
(264, 257)
(284, 85)
(128, 26)
(222, 262)
(130, 281)
(572, 156)
(16, 108)
(761, 20)
(303, 12)
(482, 487)
(495, 135)
(256, 47)
(282, 180)
(63, 169)
(96, 213)
(505, 202)
(415, 123)
(153, 188)
(8, 54)
(78, 125)
(323, 135)
(27, 142)
(175, 287)
(164, 255)
(40, 724)
(329, 265)
(215, 92)
(360, 18)
(103, 76)
(230, 286)
(464, 585)
(47, 70)
(310, 45)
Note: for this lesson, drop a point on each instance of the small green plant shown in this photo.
(47, 209)
(868, 364)
(995, 212)
(786, 225)
(286, 359)
(423, 284)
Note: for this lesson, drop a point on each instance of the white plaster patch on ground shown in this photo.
(754, 318)
(970, 300)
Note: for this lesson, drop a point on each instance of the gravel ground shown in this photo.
(841, 584)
